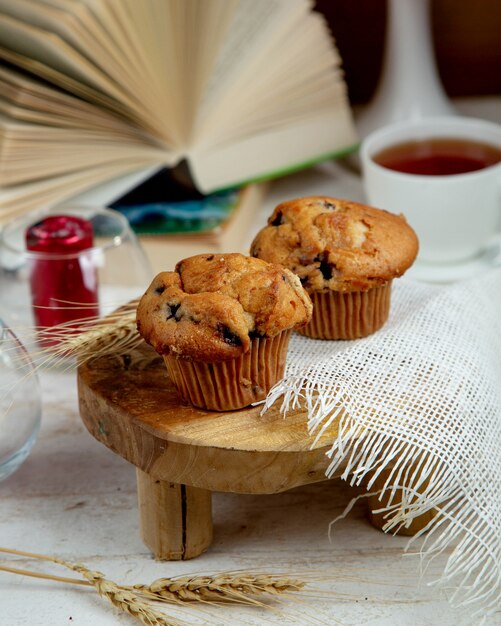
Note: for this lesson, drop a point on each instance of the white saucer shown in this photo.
(454, 272)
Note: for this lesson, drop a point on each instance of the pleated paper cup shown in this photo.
(232, 384)
(349, 315)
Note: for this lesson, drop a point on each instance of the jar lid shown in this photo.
(60, 234)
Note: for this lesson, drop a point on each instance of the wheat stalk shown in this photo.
(123, 599)
(230, 587)
(93, 337)
(82, 339)
(102, 338)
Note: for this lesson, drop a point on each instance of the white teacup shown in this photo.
(455, 215)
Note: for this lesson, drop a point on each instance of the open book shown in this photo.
(94, 90)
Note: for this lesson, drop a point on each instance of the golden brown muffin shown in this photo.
(222, 322)
(346, 255)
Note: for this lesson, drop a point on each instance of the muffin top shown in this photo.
(336, 244)
(212, 305)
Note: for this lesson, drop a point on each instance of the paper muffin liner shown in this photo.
(349, 315)
(235, 383)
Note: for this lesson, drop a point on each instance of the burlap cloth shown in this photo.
(423, 392)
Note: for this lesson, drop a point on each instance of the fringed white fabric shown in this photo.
(421, 397)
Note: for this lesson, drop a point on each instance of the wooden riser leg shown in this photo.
(176, 520)
(378, 519)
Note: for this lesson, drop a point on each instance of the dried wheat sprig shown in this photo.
(230, 587)
(124, 599)
(102, 338)
(94, 336)
(121, 598)
(85, 338)
(238, 587)
(59, 579)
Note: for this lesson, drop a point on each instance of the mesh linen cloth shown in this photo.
(422, 393)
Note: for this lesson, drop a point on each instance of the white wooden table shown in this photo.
(75, 499)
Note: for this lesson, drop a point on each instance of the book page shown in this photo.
(68, 84)
(31, 100)
(102, 26)
(45, 193)
(255, 24)
(69, 161)
(121, 32)
(282, 112)
(82, 37)
(54, 117)
(299, 84)
(32, 151)
(115, 34)
(62, 118)
(152, 30)
(50, 50)
(197, 29)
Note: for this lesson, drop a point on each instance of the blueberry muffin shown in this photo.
(222, 323)
(345, 254)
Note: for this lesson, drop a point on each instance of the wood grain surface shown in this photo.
(176, 520)
(128, 403)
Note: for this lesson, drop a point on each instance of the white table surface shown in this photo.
(75, 499)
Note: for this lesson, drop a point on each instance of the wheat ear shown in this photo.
(230, 587)
(84, 339)
(238, 587)
(123, 599)
(95, 337)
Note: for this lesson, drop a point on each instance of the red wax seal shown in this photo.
(63, 277)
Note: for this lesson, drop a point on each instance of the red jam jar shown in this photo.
(63, 273)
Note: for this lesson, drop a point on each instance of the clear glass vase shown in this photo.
(20, 402)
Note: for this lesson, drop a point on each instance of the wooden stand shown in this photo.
(182, 454)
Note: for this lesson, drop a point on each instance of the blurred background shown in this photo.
(466, 35)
